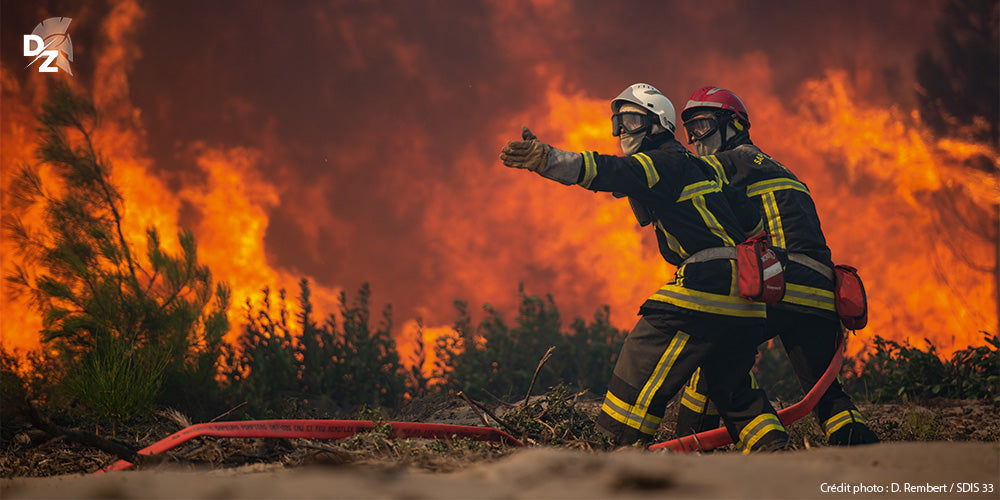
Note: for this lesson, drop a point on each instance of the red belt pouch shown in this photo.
(849, 297)
(761, 278)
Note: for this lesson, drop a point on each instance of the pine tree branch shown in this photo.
(106, 190)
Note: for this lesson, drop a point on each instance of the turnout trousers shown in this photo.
(660, 355)
(810, 342)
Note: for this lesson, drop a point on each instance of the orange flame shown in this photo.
(232, 202)
(880, 183)
(889, 219)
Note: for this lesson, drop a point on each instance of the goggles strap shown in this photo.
(723, 126)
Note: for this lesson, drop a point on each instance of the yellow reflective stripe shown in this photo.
(652, 177)
(696, 193)
(734, 279)
(841, 419)
(589, 169)
(697, 189)
(714, 162)
(775, 426)
(711, 222)
(756, 429)
(622, 412)
(809, 296)
(672, 242)
(663, 367)
(697, 402)
(679, 276)
(727, 305)
(773, 220)
(694, 378)
(772, 185)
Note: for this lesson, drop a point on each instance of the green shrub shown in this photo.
(97, 296)
(494, 359)
(593, 349)
(899, 371)
(975, 371)
(339, 366)
(118, 382)
(24, 376)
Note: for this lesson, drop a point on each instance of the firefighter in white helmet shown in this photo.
(718, 126)
(695, 319)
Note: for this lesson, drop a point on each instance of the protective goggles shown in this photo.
(630, 122)
(701, 127)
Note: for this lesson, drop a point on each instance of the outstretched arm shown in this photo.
(549, 162)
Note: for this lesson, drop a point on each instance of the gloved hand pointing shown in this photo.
(528, 153)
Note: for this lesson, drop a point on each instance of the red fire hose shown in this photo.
(715, 438)
(339, 429)
(316, 429)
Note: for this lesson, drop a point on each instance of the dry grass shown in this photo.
(559, 419)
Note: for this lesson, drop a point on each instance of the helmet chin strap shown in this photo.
(729, 120)
(740, 135)
(722, 135)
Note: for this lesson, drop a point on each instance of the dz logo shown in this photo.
(50, 41)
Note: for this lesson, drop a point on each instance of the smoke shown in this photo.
(353, 142)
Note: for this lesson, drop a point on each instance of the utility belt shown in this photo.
(761, 278)
(849, 294)
(714, 253)
(759, 273)
(813, 264)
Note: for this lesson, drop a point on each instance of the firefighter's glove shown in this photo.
(528, 153)
(552, 163)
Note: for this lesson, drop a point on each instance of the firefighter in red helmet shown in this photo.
(718, 126)
(695, 320)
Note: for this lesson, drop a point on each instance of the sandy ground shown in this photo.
(895, 469)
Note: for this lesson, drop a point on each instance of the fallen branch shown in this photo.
(474, 409)
(545, 358)
(486, 410)
(118, 449)
(230, 411)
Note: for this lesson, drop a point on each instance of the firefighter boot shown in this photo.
(854, 433)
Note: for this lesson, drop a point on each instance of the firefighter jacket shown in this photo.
(791, 220)
(691, 211)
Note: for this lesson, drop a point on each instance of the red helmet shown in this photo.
(714, 97)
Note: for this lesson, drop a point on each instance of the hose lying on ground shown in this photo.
(316, 429)
(339, 429)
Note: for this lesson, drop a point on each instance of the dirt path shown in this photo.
(559, 473)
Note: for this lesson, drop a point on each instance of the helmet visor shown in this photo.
(629, 123)
(700, 128)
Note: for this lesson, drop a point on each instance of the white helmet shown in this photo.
(649, 98)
